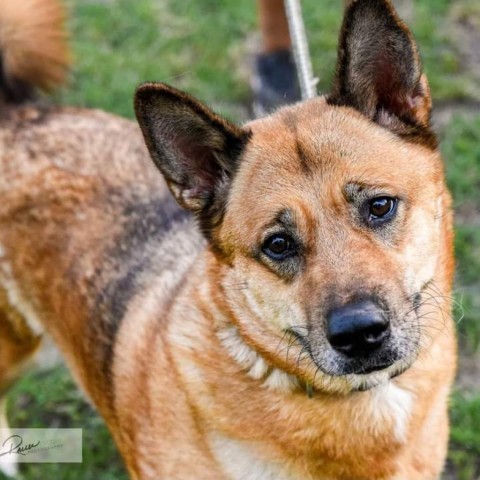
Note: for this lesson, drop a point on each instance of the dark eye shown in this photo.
(279, 246)
(381, 208)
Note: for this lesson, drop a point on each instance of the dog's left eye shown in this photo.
(381, 209)
(279, 246)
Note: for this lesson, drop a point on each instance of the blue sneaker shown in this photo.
(275, 82)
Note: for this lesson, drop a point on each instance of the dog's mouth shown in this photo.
(361, 373)
(373, 368)
(382, 360)
(365, 382)
(363, 376)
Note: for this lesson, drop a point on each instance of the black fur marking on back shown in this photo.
(128, 262)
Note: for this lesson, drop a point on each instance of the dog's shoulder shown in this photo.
(81, 202)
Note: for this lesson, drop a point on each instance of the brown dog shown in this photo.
(296, 323)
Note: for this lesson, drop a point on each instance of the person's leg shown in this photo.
(273, 26)
(275, 83)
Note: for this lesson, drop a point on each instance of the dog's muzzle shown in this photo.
(359, 332)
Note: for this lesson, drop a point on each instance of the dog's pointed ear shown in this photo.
(196, 150)
(378, 69)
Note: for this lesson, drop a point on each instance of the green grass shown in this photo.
(203, 46)
(461, 149)
(51, 399)
(193, 45)
(465, 436)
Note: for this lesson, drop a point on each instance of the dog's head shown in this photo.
(325, 218)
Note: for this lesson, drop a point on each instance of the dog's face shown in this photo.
(325, 217)
(332, 231)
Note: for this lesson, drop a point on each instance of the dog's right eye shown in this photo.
(279, 246)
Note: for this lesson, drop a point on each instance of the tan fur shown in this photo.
(33, 42)
(184, 341)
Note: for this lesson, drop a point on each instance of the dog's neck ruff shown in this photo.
(256, 367)
(388, 403)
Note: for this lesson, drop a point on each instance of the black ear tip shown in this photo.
(146, 91)
(373, 3)
(152, 94)
(158, 88)
(381, 7)
(143, 96)
(157, 93)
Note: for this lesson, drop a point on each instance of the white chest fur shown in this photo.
(392, 404)
(241, 460)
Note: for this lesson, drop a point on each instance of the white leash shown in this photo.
(301, 53)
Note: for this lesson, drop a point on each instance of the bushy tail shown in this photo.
(34, 53)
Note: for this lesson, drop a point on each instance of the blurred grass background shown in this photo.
(206, 47)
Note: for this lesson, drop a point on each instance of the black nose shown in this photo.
(357, 329)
